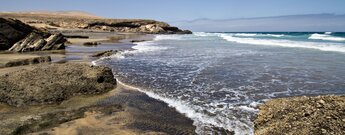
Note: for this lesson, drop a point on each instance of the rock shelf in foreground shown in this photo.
(302, 116)
(54, 83)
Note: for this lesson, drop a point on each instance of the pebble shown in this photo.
(322, 101)
(324, 131)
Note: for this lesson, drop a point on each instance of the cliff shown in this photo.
(73, 21)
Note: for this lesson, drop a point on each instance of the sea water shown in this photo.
(219, 79)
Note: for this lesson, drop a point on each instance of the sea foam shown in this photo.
(140, 47)
(168, 37)
(334, 47)
(258, 35)
(220, 110)
(147, 46)
(326, 36)
(200, 120)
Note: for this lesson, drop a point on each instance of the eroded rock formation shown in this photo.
(20, 37)
(105, 53)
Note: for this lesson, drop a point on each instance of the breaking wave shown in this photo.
(201, 120)
(326, 36)
(195, 75)
(334, 47)
(258, 35)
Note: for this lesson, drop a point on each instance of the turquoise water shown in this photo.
(218, 79)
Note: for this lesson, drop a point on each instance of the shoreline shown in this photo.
(129, 101)
(129, 125)
(264, 129)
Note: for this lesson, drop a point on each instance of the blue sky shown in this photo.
(177, 10)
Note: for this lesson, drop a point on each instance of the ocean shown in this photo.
(219, 79)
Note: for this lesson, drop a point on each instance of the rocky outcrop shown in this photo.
(105, 53)
(115, 25)
(19, 37)
(54, 42)
(136, 26)
(302, 116)
(28, 61)
(91, 43)
(11, 31)
(36, 42)
(54, 83)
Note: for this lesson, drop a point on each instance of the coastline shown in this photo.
(137, 113)
(127, 109)
(267, 129)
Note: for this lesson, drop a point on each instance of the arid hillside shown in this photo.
(80, 20)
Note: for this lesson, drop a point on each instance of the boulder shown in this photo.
(185, 32)
(135, 41)
(55, 42)
(91, 43)
(54, 83)
(11, 31)
(37, 42)
(26, 43)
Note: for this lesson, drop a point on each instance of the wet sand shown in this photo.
(138, 114)
(141, 115)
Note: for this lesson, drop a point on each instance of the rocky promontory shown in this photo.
(96, 23)
(54, 83)
(20, 37)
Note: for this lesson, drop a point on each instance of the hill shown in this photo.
(80, 20)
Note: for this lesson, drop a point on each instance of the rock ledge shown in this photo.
(54, 83)
(302, 116)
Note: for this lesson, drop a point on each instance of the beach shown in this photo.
(134, 111)
(220, 80)
(64, 74)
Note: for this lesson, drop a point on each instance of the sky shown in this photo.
(178, 10)
(291, 23)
